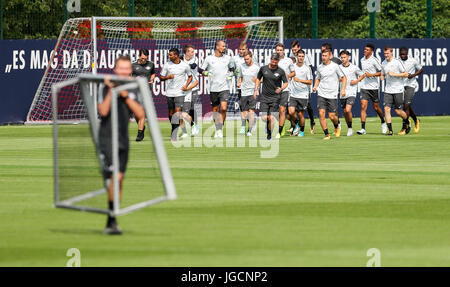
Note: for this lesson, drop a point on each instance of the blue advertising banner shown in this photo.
(23, 62)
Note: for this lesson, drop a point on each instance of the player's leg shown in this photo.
(185, 117)
(322, 107)
(194, 124)
(282, 112)
(171, 111)
(251, 115)
(332, 108)
(364, 102)
(301, 115)
(409, 97)
(398, 104)
(311, 116)
(242, 102)
(375, 97)
(292, 114)
(388, 103)
(141, 129)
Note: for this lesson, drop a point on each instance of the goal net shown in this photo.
(93, 44)
(79, 164)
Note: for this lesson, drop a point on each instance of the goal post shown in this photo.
(91, 45)
(78, 163)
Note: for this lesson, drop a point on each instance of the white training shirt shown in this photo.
(219, 67)
(181, 72)
(300, 90)
(393, 85)
(329, 76)
(371, 66)
(249, 75)
(352, 72)
(411, 66)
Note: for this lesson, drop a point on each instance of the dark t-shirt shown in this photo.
(273, 79)
(143, 70)
(124, 114)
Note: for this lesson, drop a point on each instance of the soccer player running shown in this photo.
(126, 105)
(246, 82)
(274, 82)
(354, 76)
(178, 76)
(414, 69)
(287, 65)
(295, 47)
(217, 68)
(370, 87)
(337, 61)
(327, 86)
(394, 72)
(143, 68)
(238, 62)
(191, 94)
(300, 87)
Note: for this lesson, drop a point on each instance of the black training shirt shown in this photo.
(273, 79)
(143, 70)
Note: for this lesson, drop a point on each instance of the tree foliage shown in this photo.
(40, 19)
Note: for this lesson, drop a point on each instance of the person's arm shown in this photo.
(418, 68)
(239, 82)
(360, 76)
(344, 85)
(316, 84)
(186, 86)
(306, 82)
(164, 74)
(152, 75)
(257, 83)
(134, 106)
(403, 74)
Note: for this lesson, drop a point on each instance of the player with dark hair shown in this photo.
(287, 65)
(327, 86)
(295, 47)
(274, 82)
(178, 76)
(414, 68)
(354, 76)
(218, 68)
(333, 58)
(191, 94)
(394, 72)
(126, 105)
(300, 90)
(246, 82)
(370, 87)
(143, 68)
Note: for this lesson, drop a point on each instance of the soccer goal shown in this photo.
(78, 163)
(91, 45)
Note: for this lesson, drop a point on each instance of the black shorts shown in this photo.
(298, 104)
(372, 95)
(175, 102)
(393, 100)
(329, 105)
(347, 101)
(269, 107)
(284, 99)
(218, 97)
(247, 103)
(409, 95)
(189, 105)
(106, 155)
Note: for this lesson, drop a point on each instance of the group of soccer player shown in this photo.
(287, 84)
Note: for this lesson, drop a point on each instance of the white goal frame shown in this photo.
(94, 41)
(85, 81)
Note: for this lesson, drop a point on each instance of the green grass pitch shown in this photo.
(318, 203)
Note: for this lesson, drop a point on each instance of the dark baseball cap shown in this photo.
(275, 56)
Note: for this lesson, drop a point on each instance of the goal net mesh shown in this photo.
(74, 54)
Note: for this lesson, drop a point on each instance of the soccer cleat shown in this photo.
(361, 132)
(140, 136)
(112, 230)
(402, 132)
(384, 128)
(249, 134)
(290, 130)
(269, 136)
(390, 133)
(408, 128)
(350, 132)
(184, 135)
(301, 134)
(296, 130)
(417, 127)
(327, 137)
(283, 131)
(313, 129)
(278, 136)
(242, 131)
(337, 132)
